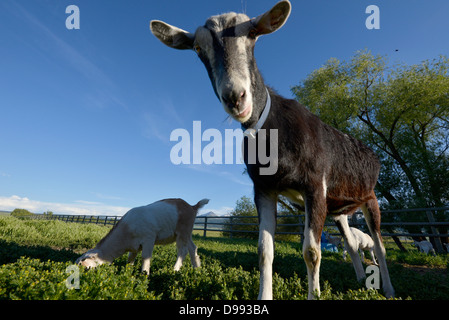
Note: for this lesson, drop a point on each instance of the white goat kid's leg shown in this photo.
(266, 208)
(193, 252)
(147, 252)
(371, 213)
(131, 257)
(373, 257)
(182, 249)
(350, 245)
(362, 255)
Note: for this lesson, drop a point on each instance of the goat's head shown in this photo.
(90, 259)
(225, 44)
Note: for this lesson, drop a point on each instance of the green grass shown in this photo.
(34, 255)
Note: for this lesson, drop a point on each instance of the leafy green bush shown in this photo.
(46, 280)
(34, 256)
(51, 233)
(21, 213)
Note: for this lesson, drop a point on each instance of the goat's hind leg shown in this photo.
(371, 213)
(182, 250)
(193, 252)
(350, 245)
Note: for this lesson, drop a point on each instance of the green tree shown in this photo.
(243, 220)
(400, 111)
(21, 213)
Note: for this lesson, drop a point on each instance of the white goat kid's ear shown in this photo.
(172, 36)
(274, 19)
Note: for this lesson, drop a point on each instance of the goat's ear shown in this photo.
(274, 19)
(171, 36)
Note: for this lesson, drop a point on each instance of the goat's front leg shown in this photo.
(132, 257)
(315, 214)
(266, 209)
(147, 252)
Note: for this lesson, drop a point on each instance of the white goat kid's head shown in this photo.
(225, 44)
(90, 259)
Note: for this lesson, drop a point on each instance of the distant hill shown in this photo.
(208, 214)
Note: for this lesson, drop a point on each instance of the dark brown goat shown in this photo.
(318, 167)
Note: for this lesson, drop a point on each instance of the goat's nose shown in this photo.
(234, 98)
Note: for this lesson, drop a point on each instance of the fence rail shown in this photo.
(237, 225)
(103, 220)
(388, 229)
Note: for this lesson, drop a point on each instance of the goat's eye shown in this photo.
(252, 34)
(197, 49)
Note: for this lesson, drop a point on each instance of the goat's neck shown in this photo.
(112, 247)
(259, 106)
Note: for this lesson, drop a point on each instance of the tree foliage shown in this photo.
(244, 219)
(21, 213)
(400, 111)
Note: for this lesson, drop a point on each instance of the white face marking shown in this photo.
(229, 66)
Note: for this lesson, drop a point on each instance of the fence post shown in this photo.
(115, 221)
(205, 227)
(301, 232)
(105, 220)
(434, 230)
(231, 231)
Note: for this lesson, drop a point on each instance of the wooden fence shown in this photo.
(295, 225)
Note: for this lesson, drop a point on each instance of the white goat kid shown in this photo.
(424, 246)
(364, 242)
(161, 222)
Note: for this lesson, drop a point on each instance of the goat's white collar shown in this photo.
(251, 132)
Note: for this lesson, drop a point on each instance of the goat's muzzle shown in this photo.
(236, 103)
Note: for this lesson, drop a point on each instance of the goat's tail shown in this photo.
(200, 204)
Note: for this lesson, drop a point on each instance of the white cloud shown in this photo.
(79, 207)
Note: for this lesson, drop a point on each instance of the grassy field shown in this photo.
(34, 256)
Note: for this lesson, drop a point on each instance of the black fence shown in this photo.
(103, 220)
(294, 224)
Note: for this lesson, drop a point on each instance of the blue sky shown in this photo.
(86, 115)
